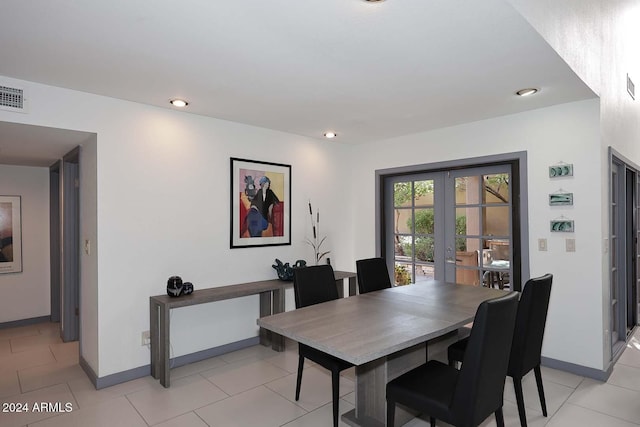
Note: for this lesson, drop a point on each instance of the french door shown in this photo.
(453, 225)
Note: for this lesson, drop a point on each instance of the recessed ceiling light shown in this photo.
(527, 91)
(373, 1)
(178, 103)
(330, 135)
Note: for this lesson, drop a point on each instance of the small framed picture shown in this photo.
(561, 199)
(260, 203)
(560, 170)
(562, 226)
(10, 234)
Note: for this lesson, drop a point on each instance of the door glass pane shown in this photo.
(423, 192)
(403, 219)
(467, 190)
(402, 192)
(468, 221)
(424, 248)
(403, 247)
(496, 188)
(496, 221)
(424, 221)
(424, 272)
(403, 274)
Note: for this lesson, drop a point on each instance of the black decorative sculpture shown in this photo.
(285, 271)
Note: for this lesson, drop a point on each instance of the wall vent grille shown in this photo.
(12, 99)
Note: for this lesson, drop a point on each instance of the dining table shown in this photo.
(382, 333)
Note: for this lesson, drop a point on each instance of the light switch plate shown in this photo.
(571, 245)
(542, 244)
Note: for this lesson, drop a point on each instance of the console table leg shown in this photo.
(165, 329)
(277, 340)
(265, 310)
(154, 333)
(352, 286)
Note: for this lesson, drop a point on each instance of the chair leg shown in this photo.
(517, 385)
(299, 380)
(335, 387)
(432, 421)
(543, 403)
(391, 412)
(499, 417)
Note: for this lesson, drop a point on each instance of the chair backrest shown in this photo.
(480, 384)
(530, 323)
(313, 285)
(372, 275)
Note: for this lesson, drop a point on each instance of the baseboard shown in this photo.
(25, 322)
(583, 371)
(143, 371)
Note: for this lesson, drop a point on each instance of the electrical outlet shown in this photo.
(146, 338)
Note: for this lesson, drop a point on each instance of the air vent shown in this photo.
(631, 88)
(12, 99)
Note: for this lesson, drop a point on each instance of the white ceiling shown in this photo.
(368, 71)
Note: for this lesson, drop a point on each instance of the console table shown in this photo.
(271, 302)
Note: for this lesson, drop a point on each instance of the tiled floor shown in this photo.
(255, 387)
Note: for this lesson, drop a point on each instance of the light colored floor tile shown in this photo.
(9, 384)
(351, 397)
(87, 395)
(255, 352)
(561, 377)
(256, 407)
(322, 417)
(26, 359)
(5, 347)
(117, 412)
(625, 376)
(196, 367)
(187, 420)
(631, 355)
(287, 360)
(157, 404)
(555, 394)
(48, 328)
(572, 415)
(48, 375)
(315, 390)
(235, 378)
(54, 394)
(22, 331)
(21, 344)
(608, 399)
(66, 352)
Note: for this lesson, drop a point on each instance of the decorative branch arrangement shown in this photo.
(317, 242)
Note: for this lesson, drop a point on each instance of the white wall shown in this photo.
(599, 40)
(27, 295)
(568, 132)
(162, 206)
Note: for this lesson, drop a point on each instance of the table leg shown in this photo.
(352, 286)
(164, 346)
(265, 310)
(371, 382)
(277, 340)
(154, 338)
(340, 287)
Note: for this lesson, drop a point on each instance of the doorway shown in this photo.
(458, 224)
(64, 241)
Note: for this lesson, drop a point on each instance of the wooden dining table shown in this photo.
(382, 333)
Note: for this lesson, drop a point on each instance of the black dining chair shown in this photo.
(465, 397)
(314, 285)
(526, 348)
(372, 275)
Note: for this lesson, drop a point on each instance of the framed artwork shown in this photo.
(10, 234)
(260, 203)
(561, 199)
(562, 225)
(560, 170)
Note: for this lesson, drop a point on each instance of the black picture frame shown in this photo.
(260, 203)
